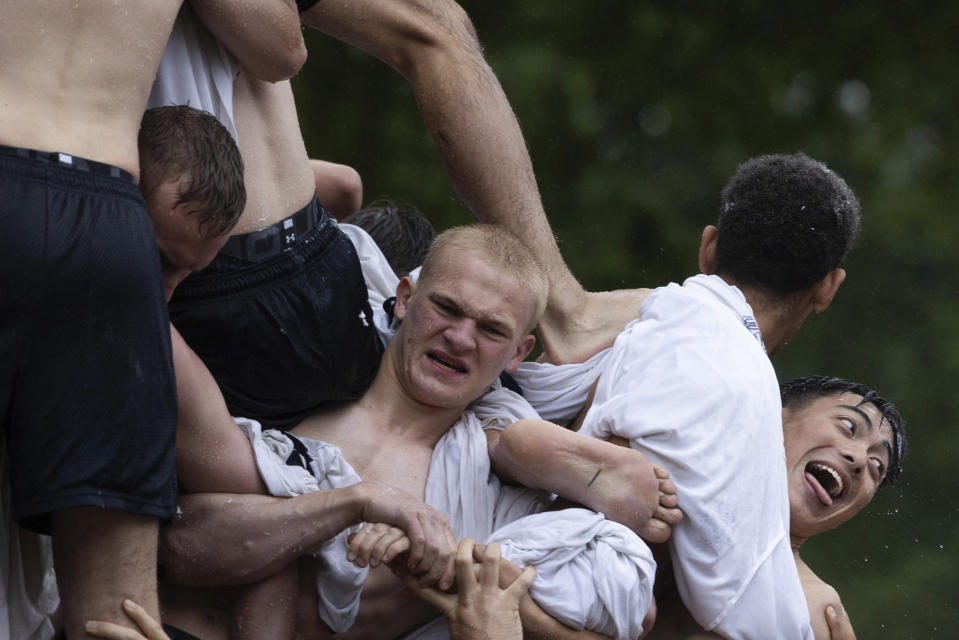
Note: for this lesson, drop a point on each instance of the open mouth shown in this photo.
(445, 364)
(826, 481)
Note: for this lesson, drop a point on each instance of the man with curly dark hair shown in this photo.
(688, 383)
(784, 223)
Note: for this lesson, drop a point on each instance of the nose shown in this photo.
(461, 335)
(855, 463)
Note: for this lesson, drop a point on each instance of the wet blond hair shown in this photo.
(502, 250)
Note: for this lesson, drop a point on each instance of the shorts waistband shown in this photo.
(67, 161)
(279, 236)
(216, 282)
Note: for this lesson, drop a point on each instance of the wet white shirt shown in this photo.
(689, 384)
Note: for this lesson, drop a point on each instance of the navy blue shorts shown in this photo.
(288, 326)
(87, 392)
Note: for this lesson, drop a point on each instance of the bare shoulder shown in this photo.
(820, 595)
(815, 588)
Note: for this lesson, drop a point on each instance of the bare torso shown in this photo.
(76, 74)
(279, 180)
(390, 456)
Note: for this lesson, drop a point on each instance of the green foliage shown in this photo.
(635, 114)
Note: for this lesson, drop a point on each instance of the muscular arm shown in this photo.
(212, 454)
(264, 35)
(616, 481)
(240, 538)
(434, 46)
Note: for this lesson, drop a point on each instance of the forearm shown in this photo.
(264, 35)
(537, 624)
(223, 539)
(616, 481)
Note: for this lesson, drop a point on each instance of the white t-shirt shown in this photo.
(196, 70)
(690, 386)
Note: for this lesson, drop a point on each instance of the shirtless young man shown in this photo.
(87, 377)
(464, 321)
(434, 46)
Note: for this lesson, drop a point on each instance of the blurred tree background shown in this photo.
(636, 114)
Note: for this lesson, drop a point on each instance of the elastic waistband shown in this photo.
(279, 236)
(222, 278)
(67, 161)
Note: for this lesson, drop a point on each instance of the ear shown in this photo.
(707, 249)
(404, 291)
(522, 350)
(826, 289)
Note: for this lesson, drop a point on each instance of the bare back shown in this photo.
(75, 74)
(279, 180)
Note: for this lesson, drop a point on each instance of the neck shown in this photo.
(778, 319)
(796, 541)
(400, 413)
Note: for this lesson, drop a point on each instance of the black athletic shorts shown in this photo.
(87, 393)
(287, 326)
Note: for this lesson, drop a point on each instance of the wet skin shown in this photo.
(837, 454)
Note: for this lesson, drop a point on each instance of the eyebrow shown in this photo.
(869, 425)
(490, 321)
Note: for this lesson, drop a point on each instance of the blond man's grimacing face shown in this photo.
(460, 329)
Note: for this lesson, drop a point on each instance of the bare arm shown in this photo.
(212, 453)
(264, 35)
(434, 46)
(222, 539)
(616, 481)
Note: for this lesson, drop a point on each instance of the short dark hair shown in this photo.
(798, 392)
(182, 143)
(785, 221)
(403, 234)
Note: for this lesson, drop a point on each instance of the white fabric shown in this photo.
(591, 573)
(690, 386)
(340, 584)
(196, 70)
(28, 586)
(559, 392)
(667, 414)
(459, 484)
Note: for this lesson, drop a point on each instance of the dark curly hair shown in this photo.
(798, 392)
(785, 221)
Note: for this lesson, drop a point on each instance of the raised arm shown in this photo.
(614, 480)
(434, 46)
(264, 35)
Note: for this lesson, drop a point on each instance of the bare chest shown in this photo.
(376, 454)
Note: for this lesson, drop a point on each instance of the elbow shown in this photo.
(438, 34)
(280, 63)
(339, 188)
